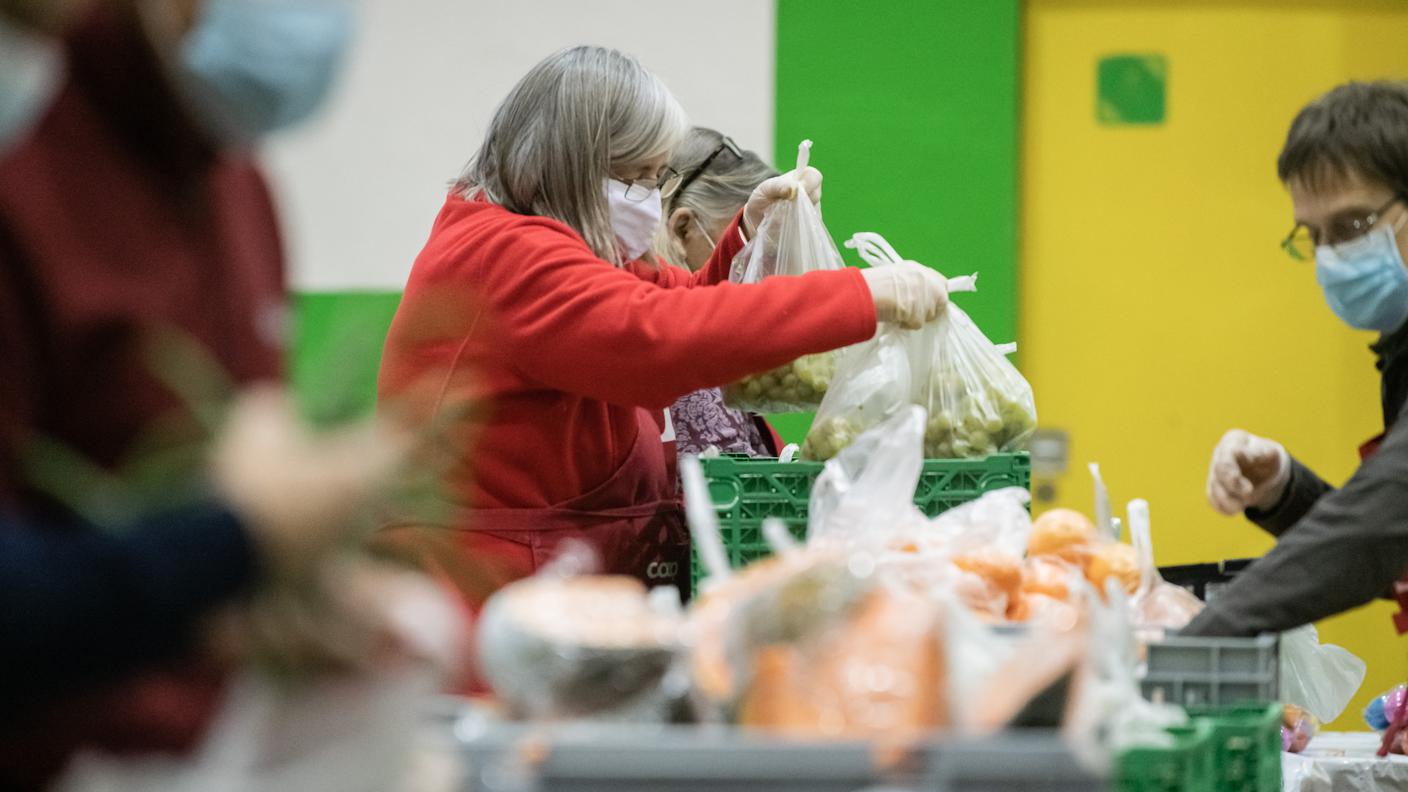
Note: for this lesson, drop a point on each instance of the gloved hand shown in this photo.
(300, 492)
(907, 294)
(1247, 472)
(779, 188)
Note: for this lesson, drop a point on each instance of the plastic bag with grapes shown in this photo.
(978, 403)
(790, 240)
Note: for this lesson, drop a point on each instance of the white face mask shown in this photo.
(633, 221)
(30, 69)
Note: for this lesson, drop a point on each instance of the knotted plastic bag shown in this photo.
(1157, 605)
(978, 402)
(790, 240)
(873, 380)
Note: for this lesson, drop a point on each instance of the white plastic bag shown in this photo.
(563, 644)
(867, 491)
(790, 240)
(1319, 678)
(978, 402)
(872, 384)
(872, 379)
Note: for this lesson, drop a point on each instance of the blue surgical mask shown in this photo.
(1364, 281)
(257, 66)
(30, 69)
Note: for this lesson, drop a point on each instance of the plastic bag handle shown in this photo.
(703, 520)
(788, 453)
(1104, 519)
(804, 154)
(877, 252)
(1143, 543)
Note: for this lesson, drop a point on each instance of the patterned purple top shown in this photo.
(701, 420)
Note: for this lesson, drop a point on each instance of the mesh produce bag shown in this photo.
(790, 240)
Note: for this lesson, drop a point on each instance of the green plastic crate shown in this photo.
(1186, 766)
(747, 491)
(1246, 742)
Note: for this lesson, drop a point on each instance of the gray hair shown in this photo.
(573, 119)
(716, 193)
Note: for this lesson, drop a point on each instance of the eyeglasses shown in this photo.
(1300, 244)
(638, 190)
(673, 182)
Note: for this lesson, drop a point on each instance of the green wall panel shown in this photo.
(912, 107)
(337, 342)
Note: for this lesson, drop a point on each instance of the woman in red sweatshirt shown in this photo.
(529, 301)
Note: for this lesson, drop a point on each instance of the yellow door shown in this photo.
(1157, 310)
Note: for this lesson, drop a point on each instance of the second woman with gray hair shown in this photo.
(711, 178)
(530, 298)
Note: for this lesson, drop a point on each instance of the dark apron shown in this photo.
(634, 521)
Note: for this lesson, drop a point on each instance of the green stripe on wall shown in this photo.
(912, 108)
(337, 342)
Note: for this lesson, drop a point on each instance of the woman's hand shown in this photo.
(779, 188)
(300, 492)
(1247, 472)
(907, 294)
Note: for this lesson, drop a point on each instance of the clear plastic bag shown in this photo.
(978, 402)
(872, 379)
(1157, 605)
(866, 493)
(564, 644)
(872, 384)
(790, 240)
(1319, 678)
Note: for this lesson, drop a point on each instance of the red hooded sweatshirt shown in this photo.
(571, 362)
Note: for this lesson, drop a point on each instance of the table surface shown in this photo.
(1343, 762)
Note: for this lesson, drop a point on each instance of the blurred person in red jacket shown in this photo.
(531, 296)
(714, 178)
(139, 256)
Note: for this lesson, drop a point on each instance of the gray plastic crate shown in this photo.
(585, 757)
(1212, 672)
(1017, 761)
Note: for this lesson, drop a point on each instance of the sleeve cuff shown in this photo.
(1303, 489)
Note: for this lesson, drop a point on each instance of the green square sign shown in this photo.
(1131, 89)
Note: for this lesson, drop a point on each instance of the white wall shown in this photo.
(359, 187)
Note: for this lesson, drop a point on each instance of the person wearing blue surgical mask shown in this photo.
(1345, 163)
(133, 222)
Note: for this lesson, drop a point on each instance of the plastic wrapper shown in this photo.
(1297, 728)
(562, 644)
(872, 383)
(1065, 534)
(865, 495)
(790, 240)
(1108, 712)
(978, 403)
(1320, 678)
(1113, 561)
(1157, 605)
(879, 674)
(1383, 710)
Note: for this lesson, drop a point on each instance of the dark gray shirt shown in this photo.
(1337, 549)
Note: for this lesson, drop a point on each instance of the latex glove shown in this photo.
(779, 188)
(1247, 472)
(907, 294)
(298, 491)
